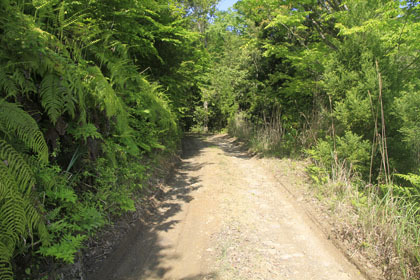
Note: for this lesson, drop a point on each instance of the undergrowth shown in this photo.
(381, 221)
(80, 122)
(269, 139)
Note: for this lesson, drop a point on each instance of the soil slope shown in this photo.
(225, 215)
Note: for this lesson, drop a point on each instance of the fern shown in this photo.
(55, 97)
(35, 221)
(65, 249)
(104, 94)
(413, 191)
(13, 220)
(85, 131)
(108, 100)
(7, 84)
(6, 180)
(412, 178)
(74, 77)
(18, 215)
(17, 167)
(82, 67)
(15, 121)
(6, 272)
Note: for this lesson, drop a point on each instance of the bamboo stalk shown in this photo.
(375, 133)
(333, 129)
(385, 159)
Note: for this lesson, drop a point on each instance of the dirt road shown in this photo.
(226, 216)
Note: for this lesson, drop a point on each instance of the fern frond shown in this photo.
(120, 71)
(68, 100)
(7, 84)
(61, 13)
(14, 120)
(34, 221)
(104, 93)
(12, 214)
(74, 76)
(56, 97)
(39, 4)
(65, 249)
(6, 182)
(50, 96)
(17, 166)
(12, 217)
(8, 241)
(6, 272)
(18, 215)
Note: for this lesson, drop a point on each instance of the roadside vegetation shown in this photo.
(335, 81)
(93, 92)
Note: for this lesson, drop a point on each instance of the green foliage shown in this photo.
(412, 191)
(23, 126)
(338, 79)
(319, 175)
(407, 110)
(69, 215)
(414, 179)
(355, 150)
(73, 82)
(324, 70)
(116, 186)
(350, 148)
(85, 131)
(65, 249)
(323, 153)
(55, 97)
(19, 217)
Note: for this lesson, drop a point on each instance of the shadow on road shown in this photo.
(140, 254)
(231, 147)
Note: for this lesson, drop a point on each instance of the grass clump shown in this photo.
(381, 221)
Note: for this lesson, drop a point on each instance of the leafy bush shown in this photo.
(69, 217)
(349, 148)
(411, 191)
(65, 249)
(20, 218)
(79, 120)
(355, 151)
(407, 110)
